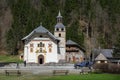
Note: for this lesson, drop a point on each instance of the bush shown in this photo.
(107, 67)
(114, 68)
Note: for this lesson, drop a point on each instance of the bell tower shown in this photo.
(60, 33)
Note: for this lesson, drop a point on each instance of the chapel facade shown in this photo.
(41, 46)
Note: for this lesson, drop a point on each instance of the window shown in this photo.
(50, 50)
(59, 35)
(57, 29)
(105, 61)
(74, 59)
(81, 58)
(41, 36)
(31, 50)
(98, 62)
(43, 45)
(62, 29)
(31, 47)
(40, 50)
(50, 47)
(40, 44)
(59, 20)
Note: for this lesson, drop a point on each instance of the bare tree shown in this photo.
(0, 37)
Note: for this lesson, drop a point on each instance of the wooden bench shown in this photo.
(60, 71)
(16, 72)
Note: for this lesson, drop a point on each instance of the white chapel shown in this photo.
(41, 46)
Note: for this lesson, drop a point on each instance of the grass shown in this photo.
(68, 77)
(87, 77)
(9, 58)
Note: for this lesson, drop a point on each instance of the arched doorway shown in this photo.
(40, 59)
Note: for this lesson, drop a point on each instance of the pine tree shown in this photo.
(117, 46)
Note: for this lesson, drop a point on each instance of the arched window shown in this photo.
(59, 35)
(40, 44)
(43, 45)
(57, 29)
(50, 50)
(31, 50)
(62, 29)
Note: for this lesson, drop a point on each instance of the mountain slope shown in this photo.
(91, 23)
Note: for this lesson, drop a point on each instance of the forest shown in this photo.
(99, 19)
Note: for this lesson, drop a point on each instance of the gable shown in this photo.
(100, 57)
(40, 32)
(106, 52)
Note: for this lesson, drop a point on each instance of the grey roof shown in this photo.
(70, 42)
(59, 25)
(42, 30)
(106, 52)
(114, 59)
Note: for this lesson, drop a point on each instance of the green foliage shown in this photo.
(68, 77)
(20, 10)
(86, 77)
(9, 58)
(26, 17)
(74, 34)
(117, 46)
(102, 41)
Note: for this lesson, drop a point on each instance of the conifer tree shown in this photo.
(117, 46)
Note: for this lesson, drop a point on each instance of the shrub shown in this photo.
(114, 68)
(107, 67)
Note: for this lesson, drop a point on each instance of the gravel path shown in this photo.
(41, 69)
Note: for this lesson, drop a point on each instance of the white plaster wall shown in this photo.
(25, 53)
(33, 57)
(51, 56)
(63, 34)
(62, 48)
(28, 56)
(62, 43)
(62, 53)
